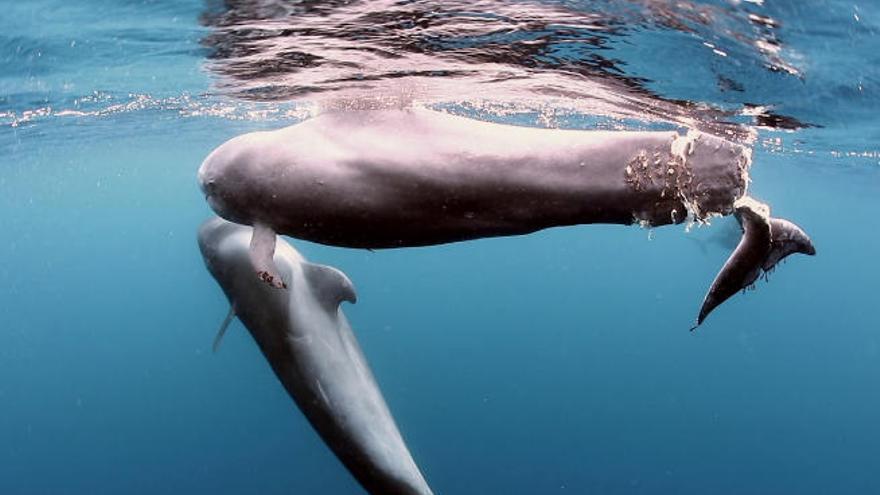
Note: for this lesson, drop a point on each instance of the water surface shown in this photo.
(558, 362)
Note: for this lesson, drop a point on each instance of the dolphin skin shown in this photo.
(414, 177)
(309, 344)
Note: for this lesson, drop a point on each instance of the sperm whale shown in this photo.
(308, 342)
(415, 177)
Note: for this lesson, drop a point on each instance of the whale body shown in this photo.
(310, 345)
(415, 177)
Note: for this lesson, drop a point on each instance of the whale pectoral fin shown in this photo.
(262, 252)
(330, 285)
(764, 243)
(223, 327)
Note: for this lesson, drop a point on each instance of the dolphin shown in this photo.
(415, 177)
(309, 344)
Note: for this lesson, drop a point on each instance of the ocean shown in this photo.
(557, 362)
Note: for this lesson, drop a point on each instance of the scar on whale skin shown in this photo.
(378, 179)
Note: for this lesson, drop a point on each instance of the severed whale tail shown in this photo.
(765, 242)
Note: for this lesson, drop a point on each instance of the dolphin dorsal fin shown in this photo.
(223, 327)
(329, 284)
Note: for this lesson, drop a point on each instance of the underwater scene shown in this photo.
(422, 246)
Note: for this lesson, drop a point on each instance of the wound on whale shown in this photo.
(415, 177)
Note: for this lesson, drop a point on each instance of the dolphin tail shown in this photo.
(765, 242)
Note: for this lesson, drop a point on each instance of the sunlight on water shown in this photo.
(558, 362)
(714, 65)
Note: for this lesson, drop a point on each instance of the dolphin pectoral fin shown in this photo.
(331, 285)
(223, 327)
(764, 243)
(262, 252)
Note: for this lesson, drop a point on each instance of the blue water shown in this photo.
(558, 362)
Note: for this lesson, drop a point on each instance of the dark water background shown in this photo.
(553, 363)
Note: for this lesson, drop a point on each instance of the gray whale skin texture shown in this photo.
(309, 344)
(414, 177)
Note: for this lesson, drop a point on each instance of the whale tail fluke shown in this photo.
(787, 238)
(765, 242)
